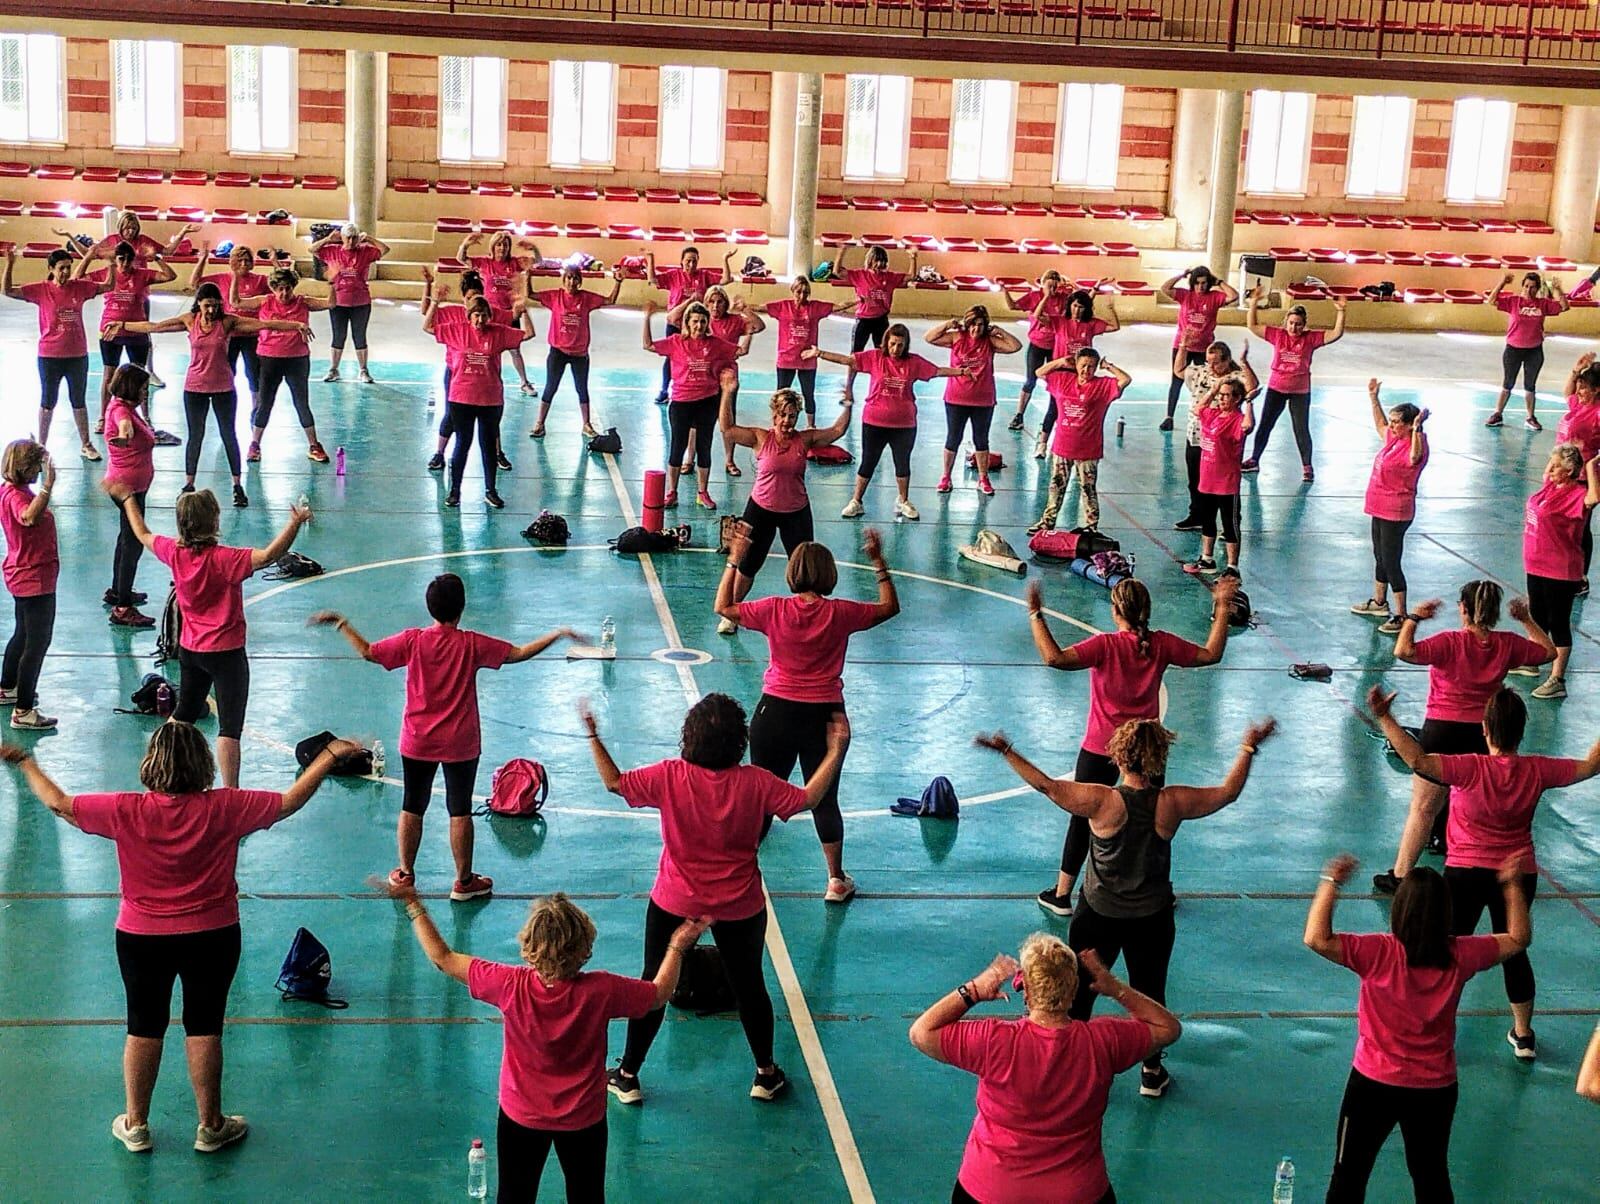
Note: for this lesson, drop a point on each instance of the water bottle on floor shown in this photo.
(608, 635)
(477, 1170)
(1283, 1182)
(338, 463)
(378, 762)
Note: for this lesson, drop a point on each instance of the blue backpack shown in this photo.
(938, 801)
(307, 971)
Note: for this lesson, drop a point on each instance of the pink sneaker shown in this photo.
(705, 501)
(944, 485)
(670, 499)
(473, 886)
(984, 487)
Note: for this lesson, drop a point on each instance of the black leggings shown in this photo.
(53, 369)
(1191, 464)
(351, 319)
(30, 640)
(962, 1196)
(898, 439)
(782, 732)
(459, 779)
(956, 419)
(245, 345)
(556, 364)
(1369, 1113)
(125, 558)
(808, 384)
(794, 527)
(1219, 508)
(1472, 890)
(196, 406)
(229, 672)
(522, 1153)
(1588, 537)
(1299, 406)
(1550, 602)
(136, 345)
(204, 961)
(295, 371)
(1175, 385)
(1524, 361)
(1036, 357)
(699, 417)
(487, 420)
(1388, 546)
(868, 330)
(1145, 943)
(1450, 738)
(740, 942)
(1102, 771)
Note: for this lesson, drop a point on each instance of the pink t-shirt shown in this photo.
(1581, 425)
(1197, 317)
(208, 580)
(780, 475)
(1406, 1018)
(1392, 487)
(874, 290)
(61, 333)
(1124, 685)
(1492, 801)
(441, 664)
(1463, 673)
(1041, 1098)
(1072, 336)
(131, 464)
(553, 1060)
(283, 344)
(891, 397)
(1553, 531)
(1043, 330)
(711, 826)
(500, 278)
(209, 370)
(251, 284)
(349, 272)
(1221, 450)
(1526, 326)
(697, 365)
(684, 286)
(798, 328)
(569, 318)
(1081, 415)
(730, 328)
(978, 354)
(806, 642)
(32, 561)
(1291, 358)
(475, 373)
(177, 853)
(128, 297)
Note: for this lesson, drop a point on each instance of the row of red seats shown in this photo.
(576, 192)
(927, 243)
(1049, 9)
(72, 210)
(1389, 221)
(906, 204)
(154, 175)
(1410, 296)
(1419, 259)
(620, 230)
(1433, 29)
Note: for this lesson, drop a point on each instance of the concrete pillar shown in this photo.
(1194, 140)
(1577, 182)
(1225, 181)
(780, 144)
(803, 178)
(365, 150)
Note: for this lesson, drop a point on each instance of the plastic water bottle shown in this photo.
(338, 463)
(477, 1170)
(378, 761)
(608, 634)
(1283, 1182)
(1122, 425)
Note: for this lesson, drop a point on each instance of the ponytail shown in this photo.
(1131, 600)
(1480, 601)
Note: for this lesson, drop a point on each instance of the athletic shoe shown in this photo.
(135, 1137)
(156, 382)
(240, 501)
(1166, 425)
(1041, 525)
(732, 469)
(536, 433)
(906, 510)
(1526, 1048)
(436, 462)
(473, 886)
(1154, 1082)
(233, 1129)
(943, 486)
(704, 500)
(853, 509)
(8, 698)
(252, 453)
(167, 439)
(661, 399)
(333, 375)
(366, 377)
(189, 488)
(1250, 465)
(1385, 883)
(127, 616)
(453, 498)
(399, 877)
(1583, 588)
(1532, 423)
(493, 498)
(726, 626)
(624, 1086)
(1230, 570)
(136, 597)
(1524, 671)
(589, 432)
(1307, 474)
(770, 1085)
(528, 389)
(985, 487)
(502, 462)
(670, 499)
(1187, 523)
(1056, 905)
(90, 452)
(1494, 420)
(1201, 564)
(1041, 446)
(318, 454)
(1392, 625)
(1551, 687)
(32, 721)
(1015, 424)
(100, 426)
(1370, 606)
(840, 890)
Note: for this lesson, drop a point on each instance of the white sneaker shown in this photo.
(840, 890)
(333, 375)
(1551, 687)
(135, 1137)
(852, 509)
(1519, 671)
(727, 626)
(8, 698)
(32, 721)
(905, 509)
(232, 1129)
(1371, 606)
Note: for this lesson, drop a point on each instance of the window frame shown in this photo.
(60, 140)
(501, 123)
(1058, 178)
(148, 147)
(1010, 140)
(720, 126)
(582, 164)
(1505, 165)
(1305, 157)
(876, 177)
(293, 149)
(1405, 164)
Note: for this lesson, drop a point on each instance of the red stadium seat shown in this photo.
(668, 234)
(973, 283)
(403, 184)
(829, 201)
(274, 180)
(662, 196)
(15, 169)
(1356, 25)
(922, 242)
(835, 238)
(1349, 292)
(625, 230)
(146, 213)
(1347, 221)
(1040, 246)
(39, 250)
(539, 192)
(101, 175)
(1030, 209)
(186, 213)
(747, 237)
(1519, 263)
(1305, 292)
(495, 188)
(1306, 221)
(1423, 296)
(620, 196)
(1011, 282)
(9, 207)
(709, 234)
(583, 230)
(890, 242)
(1423, 223)
(1534, 226)
(1120, 250)
(1495, 225)
(1432, 28)
(1271, 217)
(1385, 221)
(1336, 255)
(1459, 225)
(231, 217)
(453, 225)
(1108, 212)
(541, 230)
(1464, 296)
(53, 209)
(702, 196)
(1288, 254)
(1443, 259)
(949, 205)
(1312, 23)
(1556, 263)
(145, 175)
(1001, 246)
(321, 183)
(1016, 8)
(909, 204)
(1144, 213)
(1363, 256)
(1079, 247)
(56, 171)
(871, 204)
(1404, 259)
(990, 208)
(448, 267)
(745, 199)
(961, 243)
(1135, 288)
(1069, 211)
(1144, 14)
(190, 179)
(1480, 261)
(579, 192)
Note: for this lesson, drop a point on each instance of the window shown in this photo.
(262, 100)
(145, 79)
(877, 120)
(31, 76)
(1380, 147)
(583, 114)
(1480, 150)
(982, 130)
(691, 119)
(1280, 141)
(1089, 135)
(472, 110)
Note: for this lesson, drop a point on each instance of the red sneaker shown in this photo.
(473, 886)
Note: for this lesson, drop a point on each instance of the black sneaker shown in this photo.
(1583, 588)
(1015, 424)
(436, 464)
(770, 1085)
(624, 1086)
(1154, 1081)
(1526, 1048)
(453, 498)
(136, 598)
(495, 500)
(661, 399)
(1187, 523)
(1385, 883)
(1166, 425)
(502, 461)
(240, 501)
(1056, 905)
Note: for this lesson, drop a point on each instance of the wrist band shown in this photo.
(415, 911)
(1248, 749)
(1329, 878)
(1035, 614)
(966, 995)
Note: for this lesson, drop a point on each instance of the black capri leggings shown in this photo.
(350, 319)
(53, 369)
(245, 345)
(1145, 943)
(1175, 385)
(459, 778)
(487, 420)
(555, 367)
(1299, 407)
(196, 407)
(1526, 361)
(206, 963)
(1449, 738)
(898, 439)
(25, 651)
(1102, 771)
(1219, 509)
(1550, 603)
(1473, 889)
(868, 330)
(699, 417)
(523, 1152)
(794, 527)
(956, 419)
(1191, 464)
(136, 345)
(1388, 547)
(1036, 357)
(295, 371)
(1368, 1114)
(740, 942)
(229, 672)
(808, 384)
(782, 732)
(125, 557)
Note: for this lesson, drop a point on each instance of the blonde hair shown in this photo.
(1140, 746)
(1131, 600)
(785, 399)
(558, 937)
(1050, 973)
(24, 459)
(178, 760)
(199, 517)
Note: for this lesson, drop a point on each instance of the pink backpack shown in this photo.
(830, 453)
(519, 788)
(1055, 545)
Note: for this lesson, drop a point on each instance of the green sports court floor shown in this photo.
(381, 1101)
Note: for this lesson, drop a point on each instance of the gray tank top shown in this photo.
(1129, 875)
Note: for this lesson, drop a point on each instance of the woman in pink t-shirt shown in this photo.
(1081, 397)
(348, 255)
(1226, 415)
(696, 359)
(714, 812)
(1391, 503)
(970, 396)
(1042, 303)
(241, 281)
(553, 1064)
(1404, 1071)
(1552, 551)
(1289, 379)
(127, 296)
(799, 323)
(1196, 327)
(476, 395)
(177, 851)
(1043, 1078)
(130, 465)
(505, 279)
(686, 282)
(874, 286)
(32, 565)
(802, 691)
(1581, 425)
(284, 356)
(1524, 351)
(570, 307)
(1070, 334)
(732, 322)
(63, 346)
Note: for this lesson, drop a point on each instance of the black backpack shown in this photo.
(703, 984)
(292, 566)
(607, 441)
(353, 765)
(1239, 612)
(548, 529)
(637, 539)
(307, 972)
(170, 630)
(155, 696)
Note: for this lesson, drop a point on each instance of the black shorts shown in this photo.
(229, 672)
(1451, 738)
(136, 346)
(205, 961)
(459, 778)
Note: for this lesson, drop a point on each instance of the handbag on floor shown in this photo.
(307, 972)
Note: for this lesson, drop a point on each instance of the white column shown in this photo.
(1577, 182)
(365, 153)
(803, 180)
(780, 145)
(1194, 145)
(1225, 181)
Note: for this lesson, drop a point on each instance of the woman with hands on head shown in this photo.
(126, 287)
(349, 254)
(1043, 1077)
(63, 355)
(32, 568)
(732, 322)
(1289, 377)
(1392, 503)
(799, 324)
(570, 335)
(697, 360)
(1554, 521)
(1081, 397)
(970, 396)
(1523, 356)
(284, 356)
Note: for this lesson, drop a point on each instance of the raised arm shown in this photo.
(373, 240)
(821, 781)
(1494, 295)
(948, 1009)
(1122, 378)
(743, 436)
(1087, 799)
(163, 270)
(176, 240)
(944, 334)
(1419, 441)
(135, 517)
(1247, 374)
(616, 285)
(1340, 305)
(1319, 936)
(6, 285)
(833, 357)
(335, 620)
(1252, 320)
(199, 268)
(1163, 1025)
(462, 252)
(888, 600)
(1584, 361)
(1229, 293)
(1405, 644)
(1167, 286)
(822, 436)
(44, 789)
(165, 326)
(1216, 644)
(1559, 297)
(238, 325)
(283, 541)
(1380, 420)
(1591, 473)
(1050, 652)
(1405, 747)
(610, 775)
(1004, 341)
(299, 794)
(1178, 804)
(333, 236)
(526, 652)
(240, 304)
(34, 510)
(1113, 323)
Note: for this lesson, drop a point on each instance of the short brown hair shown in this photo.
(129, 383)
(23, 460)
(1140, 746)
(811, 569)
(199, 518)
(785, 399)
(558, 937)
(178, 760)
(715, 733)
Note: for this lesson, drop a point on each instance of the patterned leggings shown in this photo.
(1061, 472)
